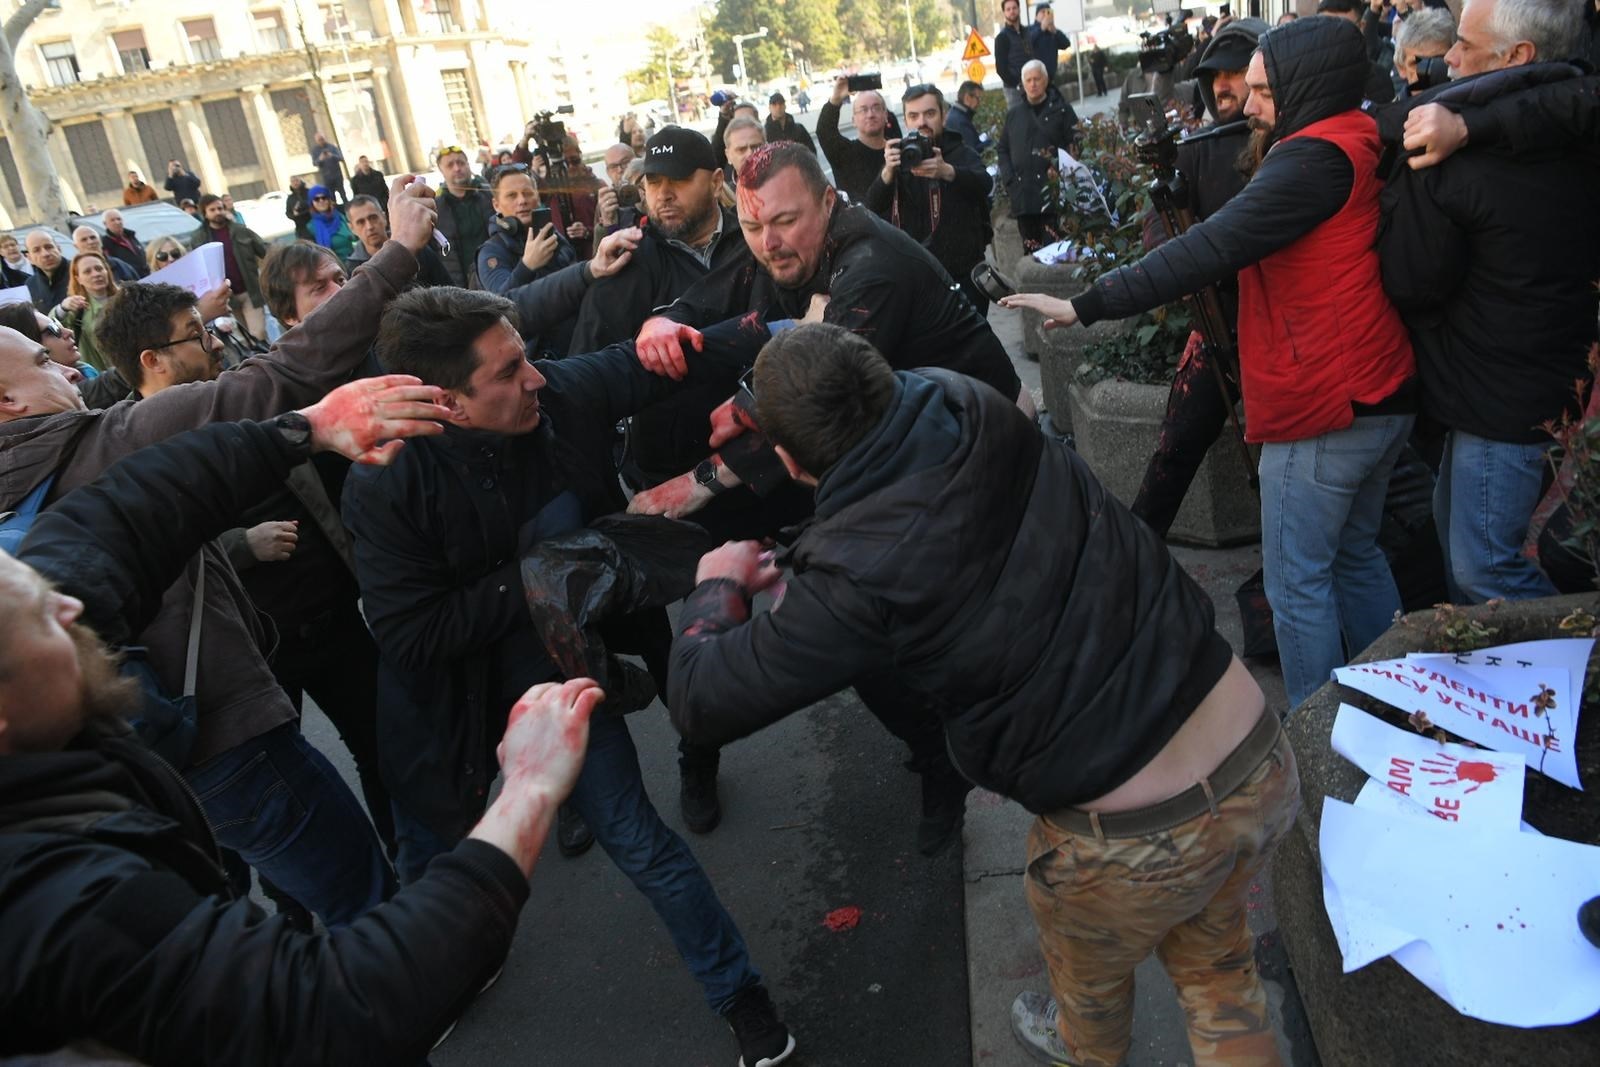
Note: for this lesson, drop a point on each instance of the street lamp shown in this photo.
(738, 44)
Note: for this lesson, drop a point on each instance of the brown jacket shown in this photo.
(145, 194)
(236, 694)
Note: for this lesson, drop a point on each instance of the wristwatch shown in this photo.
(294, 428)
(705, 474)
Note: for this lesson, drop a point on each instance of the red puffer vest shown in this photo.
(1316, 332)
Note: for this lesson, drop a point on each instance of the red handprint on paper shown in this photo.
(1453, 771)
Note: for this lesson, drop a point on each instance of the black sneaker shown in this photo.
(697, 797)
(944, 808)
(573, 836)
(763, 1039)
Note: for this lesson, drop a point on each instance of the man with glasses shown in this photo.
(942, 201)
(273, 798)
(855, 163)
(465, 209)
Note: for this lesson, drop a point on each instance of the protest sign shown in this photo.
(1486, 920)
(1527, 707)
(1453, 783)
(199, 271)
(16, 294)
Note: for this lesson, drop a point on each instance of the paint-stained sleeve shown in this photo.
(732, 674)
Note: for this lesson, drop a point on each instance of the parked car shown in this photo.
(265, 215)
(149, 221)
(63, 241)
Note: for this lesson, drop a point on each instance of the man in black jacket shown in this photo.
(1501, 335)
(1011, 51)
(122, 931)
(781, 125)
(943, 201)
(439, 540)
(465, 209)
(803, 249)
(1036, 128)
(855, 163)
(1070, 662)
(1197, 405)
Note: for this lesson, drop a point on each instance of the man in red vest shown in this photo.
(1328, 374)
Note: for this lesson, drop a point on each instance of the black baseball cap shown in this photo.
(775, 98)
(677, 152)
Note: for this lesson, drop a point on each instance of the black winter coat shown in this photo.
(1051, 632)
(1028, 143)
(948, 218)
(668, 438)
(883, 286)
(120, 924)
(502, 272)
(855, 165)
(437, 543)
(1493, 268)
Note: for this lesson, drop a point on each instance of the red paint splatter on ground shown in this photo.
(841, 919)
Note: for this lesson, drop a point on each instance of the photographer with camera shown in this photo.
(1042, 124)
(935, 188)
(1198, 403)
(855, 163)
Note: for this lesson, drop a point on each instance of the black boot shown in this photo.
(573, 836)
(697, 797)
(944, 806)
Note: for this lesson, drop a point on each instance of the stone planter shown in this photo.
(1381, 1014)
(1059, 360)
(1031, 276)
(1116, 425)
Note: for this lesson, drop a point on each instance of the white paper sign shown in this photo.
(16, 294)
(1453, 783)
(1488, 920)
(199, 271)
(1496, 706)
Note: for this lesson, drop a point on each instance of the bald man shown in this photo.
(855, 163)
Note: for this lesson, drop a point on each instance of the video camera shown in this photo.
(548, 134)
(1160, 52)
(1157, 142)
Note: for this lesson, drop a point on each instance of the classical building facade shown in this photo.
(237, 89)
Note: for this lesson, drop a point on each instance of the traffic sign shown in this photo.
(976, 71)
(975, 49)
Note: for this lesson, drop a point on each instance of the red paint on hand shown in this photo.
(841, 919)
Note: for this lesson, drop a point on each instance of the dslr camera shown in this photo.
(915, 149)
(1159, 52)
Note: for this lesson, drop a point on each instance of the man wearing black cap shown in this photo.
(781, 125)
(688, 234)
(1197, 407)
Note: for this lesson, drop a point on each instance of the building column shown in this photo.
(125, 144)
(267, 133)
(196, 137)
(399, 137)
(71, 186)
(525, 108)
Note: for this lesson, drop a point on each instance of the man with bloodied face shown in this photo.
(805, 249)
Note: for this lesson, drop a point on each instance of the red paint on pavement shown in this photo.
(840, 919)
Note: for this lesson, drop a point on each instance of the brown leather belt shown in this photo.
(1194, 801)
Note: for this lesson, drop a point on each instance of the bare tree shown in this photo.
(26, 128)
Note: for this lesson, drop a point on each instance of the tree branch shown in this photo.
(18, 24)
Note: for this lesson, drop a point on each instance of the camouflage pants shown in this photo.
(1103, 905)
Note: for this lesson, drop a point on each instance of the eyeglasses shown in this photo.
(53, 328)
(204, 339)
(166, 255)
(450, 150)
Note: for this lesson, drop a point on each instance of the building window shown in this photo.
(336, 24)
(270, 33)
(444, 13)
(458, 98)
(203, 44)
(60, 61)
(230, 132)
(131, 52)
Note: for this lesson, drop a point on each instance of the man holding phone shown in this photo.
(855, 163)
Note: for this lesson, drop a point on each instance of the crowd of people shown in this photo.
(508, 421)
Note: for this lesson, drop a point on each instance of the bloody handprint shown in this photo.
(1453, 771)
(355, 417)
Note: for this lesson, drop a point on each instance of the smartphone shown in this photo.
(541, 219)
(856, 83)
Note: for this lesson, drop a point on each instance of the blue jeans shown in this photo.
(1485, 495)
(278, 802)
(610, 797)
(1327, 581)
